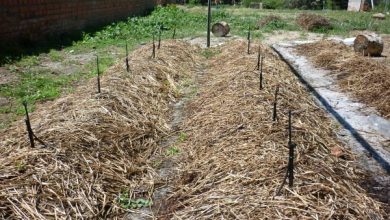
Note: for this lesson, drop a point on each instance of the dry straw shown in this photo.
(311, 22)
(235, 157)
(99, 144)
(230, 167)
(367, 79)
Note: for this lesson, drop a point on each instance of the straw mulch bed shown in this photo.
(313, 21)
(98, 145)
(235, 157)
(367, 79)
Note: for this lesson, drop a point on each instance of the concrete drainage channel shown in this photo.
(364, 130)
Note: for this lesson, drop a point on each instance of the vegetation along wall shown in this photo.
(30, 20)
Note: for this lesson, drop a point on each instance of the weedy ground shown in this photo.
(36, 76)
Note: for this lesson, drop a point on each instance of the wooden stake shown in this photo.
(154, 48)
(174, 33)
(274, 115)
(258, 58)
(208, 22)
(291, 147)
(159, 38)
(98, 73)
(249, 39)
(127, 59)
(290, 166)
(28, 126)
(261, 73)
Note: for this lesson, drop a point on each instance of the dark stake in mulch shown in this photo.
(208, 22)
(290, 165)
(249, 40)
(98, 73)
(31, 135)
(258, 58)
(127, 59)
(174, 33)
(159, 38)
(261, 72)
(28, 126)
(291, 147)
(154, 48)
(274, 115)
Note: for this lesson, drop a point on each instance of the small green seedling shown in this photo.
(182, 137)
(128, 203)
(172, 151)
(20, 166)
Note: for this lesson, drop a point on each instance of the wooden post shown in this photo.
(159, 38)
(174, 33)
(261, 72)
(127, 59)
(290, 165)
(249, 39)
(258, 58)
(208, 23)
(291, 147)
(274, 115)
(154, 48)
(98, 73)
(28, 126)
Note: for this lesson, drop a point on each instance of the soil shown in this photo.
(286, 36)
(7, 77)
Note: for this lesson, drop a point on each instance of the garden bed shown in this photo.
(235, 157)
(96, 160)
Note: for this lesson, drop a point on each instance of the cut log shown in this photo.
(220, 29)
(368, 44)
(379, 16)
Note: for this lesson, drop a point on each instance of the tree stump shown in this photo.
(379, 16)
(220, 29)
(368, 44)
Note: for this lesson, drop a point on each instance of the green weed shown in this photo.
(172, 151)
(127, 203)
(182, 137)
(56, 56)
(20, 166)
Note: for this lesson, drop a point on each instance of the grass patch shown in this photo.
(56, 56)
(109, 43)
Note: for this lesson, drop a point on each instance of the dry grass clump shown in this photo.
(98, 144)
(313, 21)
(235, 157)
(367, 79)
(268, 19)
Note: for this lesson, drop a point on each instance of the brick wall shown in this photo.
(35, 19)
